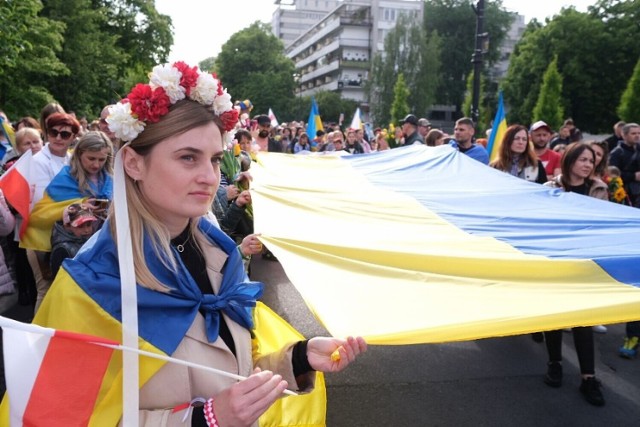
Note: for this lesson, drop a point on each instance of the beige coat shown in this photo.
(175, 384)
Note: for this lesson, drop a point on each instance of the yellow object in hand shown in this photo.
(335, 356)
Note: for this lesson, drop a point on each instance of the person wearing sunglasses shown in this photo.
(61, 130)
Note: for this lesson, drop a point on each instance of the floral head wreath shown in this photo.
(168, 84)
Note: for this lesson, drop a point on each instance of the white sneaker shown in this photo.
(600, 329)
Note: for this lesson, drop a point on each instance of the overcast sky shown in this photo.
(201, 27)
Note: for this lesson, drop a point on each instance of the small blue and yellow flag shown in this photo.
(498, 131)
(314, 123)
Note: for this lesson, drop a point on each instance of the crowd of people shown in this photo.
(195, 300)
(180, 192)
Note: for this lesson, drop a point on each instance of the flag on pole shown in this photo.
(16, 187)
(356, 123)
(272, 117)
(53, 377)
(314, 123)
(498, 131)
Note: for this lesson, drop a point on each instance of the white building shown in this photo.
(335, 53)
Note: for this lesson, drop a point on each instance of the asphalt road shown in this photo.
(490, 382)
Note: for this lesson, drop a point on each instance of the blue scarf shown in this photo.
(164, 318)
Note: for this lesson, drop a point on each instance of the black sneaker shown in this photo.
(554, 374)
(590, 389)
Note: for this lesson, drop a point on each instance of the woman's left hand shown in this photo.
(321, 349)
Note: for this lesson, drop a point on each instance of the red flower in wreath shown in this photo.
(229, 119)
(149, 104)
(189, 76)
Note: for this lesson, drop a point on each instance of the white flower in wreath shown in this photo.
(222, 103)
(167, 77)
(206, 89)
(122, 123)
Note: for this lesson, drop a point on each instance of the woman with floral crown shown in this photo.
(194, 300)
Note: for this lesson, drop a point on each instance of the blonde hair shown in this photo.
(91, 141)
(22, 133)
(183, 116)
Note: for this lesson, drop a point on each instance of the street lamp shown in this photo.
(481, 40)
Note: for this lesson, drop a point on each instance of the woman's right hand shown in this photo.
(244, 402)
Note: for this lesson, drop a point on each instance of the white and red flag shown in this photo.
(272, 117)
(16, 187)
(53, 377)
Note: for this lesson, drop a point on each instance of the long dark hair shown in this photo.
(601, 168)
(505, 155)
(569, 158)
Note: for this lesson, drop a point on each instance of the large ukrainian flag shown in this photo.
(423, 244)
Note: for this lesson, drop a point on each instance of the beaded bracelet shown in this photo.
(209, 414)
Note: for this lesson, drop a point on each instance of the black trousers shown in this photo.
(583, 341)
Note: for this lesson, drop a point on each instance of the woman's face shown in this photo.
(180, 176)
(599, 153)
(520, 141)
(29, 142)
(583, 165)
(60, 137)
(93, 161)
(440, 140)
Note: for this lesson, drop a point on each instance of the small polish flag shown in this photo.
(272, 117)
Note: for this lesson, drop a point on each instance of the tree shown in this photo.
(27, 55)
(409, 48)
(208, 64)
(108, 44)
(629, 108)
(400, 106)
(549, 105)
(252, 64)
(596, 55)
(455, 22)
(331, 105)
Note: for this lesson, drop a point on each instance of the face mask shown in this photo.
(263, 133)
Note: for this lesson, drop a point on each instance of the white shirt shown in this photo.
(44, 167)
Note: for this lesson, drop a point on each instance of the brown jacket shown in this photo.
(174, 384)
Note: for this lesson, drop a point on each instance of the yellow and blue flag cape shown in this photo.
(85, 298)
(423, 244)
(60, 193)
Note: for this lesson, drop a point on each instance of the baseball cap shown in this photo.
(76, 215)
(410, 118)
(539, 124)
(424, 122)
(263, 120)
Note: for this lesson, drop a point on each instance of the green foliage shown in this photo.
(629, 108)
(455, 22)
(28, 48)
(409, 48)
(252, 65)
(208, 64)
(400, 106)
(549, 105)
(81, 53)
(331, 105)
(596, 54)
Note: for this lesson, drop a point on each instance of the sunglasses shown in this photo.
(65, 134)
